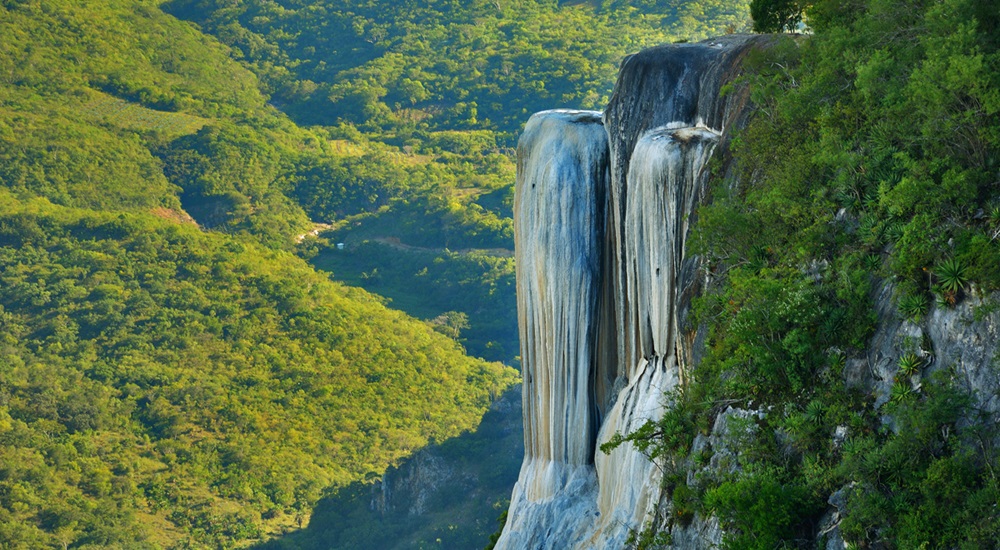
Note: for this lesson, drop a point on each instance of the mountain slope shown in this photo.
(162, 385)
(442, 64)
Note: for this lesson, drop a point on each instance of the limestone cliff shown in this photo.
(604, 207)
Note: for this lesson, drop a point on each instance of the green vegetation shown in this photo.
(441, 64)
(478, 286)
(440, 497)
(952, 275)
(876, 137)
(208, 384)
(912, 307)
(776, 15)
(909, 364)
(171, 375)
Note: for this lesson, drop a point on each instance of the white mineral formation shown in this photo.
(602, 212)
(568, 493)
(559, 205)
(664, 182)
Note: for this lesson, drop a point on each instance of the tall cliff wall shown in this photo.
(603, 207)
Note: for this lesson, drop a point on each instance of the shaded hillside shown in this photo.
(447, 495)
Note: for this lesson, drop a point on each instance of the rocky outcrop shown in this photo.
(964, 339)
(603, 207)
(559, 213)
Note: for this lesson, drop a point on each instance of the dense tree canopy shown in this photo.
(442, 64)
(776, 15)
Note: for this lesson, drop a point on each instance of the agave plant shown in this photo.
(869, 228)
(846, 198)
(759, 257)
(894, 231)
(873, 262)
(814, 413)
(837, 361)
(901, 391)
(952, 275)
(909, 364)
(912, 306)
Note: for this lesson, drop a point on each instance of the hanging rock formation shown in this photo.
(603, 206)
(560, 214)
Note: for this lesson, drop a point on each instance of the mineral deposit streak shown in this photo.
(559, 212)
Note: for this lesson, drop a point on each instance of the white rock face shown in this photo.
(664, 182)
(602, 211)
(563, 161)
(570, 494)
(559, 213)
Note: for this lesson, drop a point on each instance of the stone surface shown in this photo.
(559, 218)
(603, 207)
(602, 213)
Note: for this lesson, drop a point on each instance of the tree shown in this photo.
(776, 15)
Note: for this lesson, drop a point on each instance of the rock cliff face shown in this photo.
(603, 208)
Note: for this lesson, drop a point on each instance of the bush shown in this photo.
(761, 508)
(912, 307)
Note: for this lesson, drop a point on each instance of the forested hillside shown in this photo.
(161, 384)
(446, 64)
(423, 102)
(173, 372)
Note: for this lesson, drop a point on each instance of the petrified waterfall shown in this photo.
(602, 210)
(563, 172)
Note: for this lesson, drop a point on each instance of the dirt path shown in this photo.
(316, 230)
(395, 243)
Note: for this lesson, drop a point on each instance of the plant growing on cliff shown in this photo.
(776, 15)
(649, 537)
(901, 392)
(952, 275)
(814, 412)
(919, 485)
(995, 221)
(909, 364)
(668, 440)
(912, 307)
(761, 507)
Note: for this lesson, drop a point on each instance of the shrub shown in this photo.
(761, 509)
(873, 262)
(814, 412)
(901, 392)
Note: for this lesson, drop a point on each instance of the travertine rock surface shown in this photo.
(603, 205)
